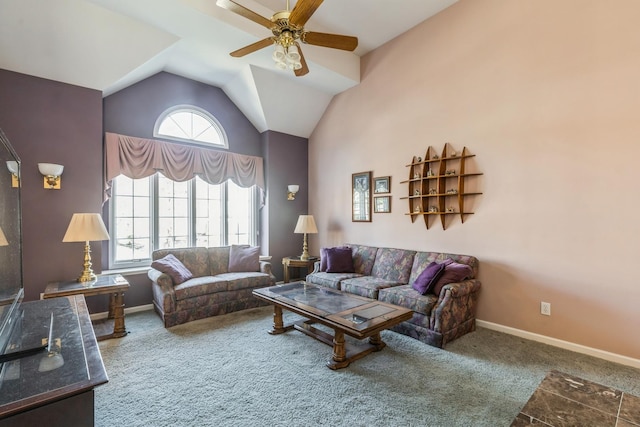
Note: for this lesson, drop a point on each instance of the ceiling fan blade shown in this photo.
(303, 10)
(252, 47)
(334, 41)
(305, 69)
(243, 11)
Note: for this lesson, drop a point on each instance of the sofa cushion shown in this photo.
(363, 258)
(406, 296)
(366, 286)
(422, 259)
(236, 281)
(453, 273)
(330, 280)
(428, 278)
(172, 266)
(199, 286)
(393, 265)
(195, 259)
(339, 260)
(219, 259)
(244, 258)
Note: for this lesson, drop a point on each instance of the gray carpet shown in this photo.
(227, 371)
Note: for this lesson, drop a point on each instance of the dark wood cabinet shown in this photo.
(55, 387)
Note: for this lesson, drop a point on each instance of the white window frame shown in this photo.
(184, 108)
(153, 222)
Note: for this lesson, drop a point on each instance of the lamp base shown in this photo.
(305, 251)
(87, 274)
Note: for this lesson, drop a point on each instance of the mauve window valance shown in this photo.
(139, 158)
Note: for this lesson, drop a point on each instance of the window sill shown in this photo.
(128, 271)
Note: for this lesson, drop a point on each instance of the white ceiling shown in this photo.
(108, 45)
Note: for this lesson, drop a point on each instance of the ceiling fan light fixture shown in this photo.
(278, 53)
(293, 54)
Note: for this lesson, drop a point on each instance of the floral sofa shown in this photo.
(213, 289)
(388, 274)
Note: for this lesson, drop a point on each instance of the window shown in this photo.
(157, 213)
(187, 123)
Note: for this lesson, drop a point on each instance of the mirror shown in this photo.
(11, 292)
(361, 197)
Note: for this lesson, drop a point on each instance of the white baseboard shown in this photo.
(136, 309)
(601, 354)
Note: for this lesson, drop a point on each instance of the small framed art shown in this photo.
(361, 197)
(382, 184)
(382, 204)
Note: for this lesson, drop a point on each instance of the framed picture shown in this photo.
(382, 185)
(361, 197)
(382, 204)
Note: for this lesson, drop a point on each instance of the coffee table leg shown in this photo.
(278, 326)
(377, 342)
(339, 359)
(116, 311)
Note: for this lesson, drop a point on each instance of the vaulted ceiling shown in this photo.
(108, 45)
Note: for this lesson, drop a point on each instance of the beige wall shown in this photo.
(546, 93)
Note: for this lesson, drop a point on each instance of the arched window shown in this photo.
(187, 123)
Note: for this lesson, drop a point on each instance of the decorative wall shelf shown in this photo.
(436, 185)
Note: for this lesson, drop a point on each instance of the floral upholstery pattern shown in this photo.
(393, 264)
(211, 292)
(387, 275)
(363, 258)
(195, 259)
(330, 280)
(366, 286)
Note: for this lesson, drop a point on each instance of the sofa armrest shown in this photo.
(265, 267)
(163, 280)
(316, 267)
(456, 304)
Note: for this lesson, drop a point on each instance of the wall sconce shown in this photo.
(12, 165)
(291, 191)
(51, 173)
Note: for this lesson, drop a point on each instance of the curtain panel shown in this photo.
(139, 158)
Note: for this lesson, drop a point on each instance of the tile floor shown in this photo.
(563, 400)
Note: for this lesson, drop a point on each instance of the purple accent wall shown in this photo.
(53, 122)
(133, 111)
(286, 161)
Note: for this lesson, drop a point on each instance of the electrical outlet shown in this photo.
(545, 308)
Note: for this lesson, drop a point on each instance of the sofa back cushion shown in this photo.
(244, 258)
(422, 259)
(196, 260)
(219, 260)
(363, 258)
(393, 264)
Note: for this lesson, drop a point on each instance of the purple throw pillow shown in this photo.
(339, 260)
(171, 266)
(428, 278)
(323, 257)
(244, 258)
(453, 273)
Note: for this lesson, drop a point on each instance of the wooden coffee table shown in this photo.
(345, 313)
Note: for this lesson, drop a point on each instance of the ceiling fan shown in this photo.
(287, 28)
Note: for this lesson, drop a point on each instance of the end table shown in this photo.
(296, 262)
(113, 284)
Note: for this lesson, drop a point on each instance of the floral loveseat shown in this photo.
(213, 289)
(388, 274)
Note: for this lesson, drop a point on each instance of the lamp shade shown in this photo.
(86, 227)
(3, 239)
(50, 169)
(306, 224)
(12, 165)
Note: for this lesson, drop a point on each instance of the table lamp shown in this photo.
(306, 224)
(86, 227)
